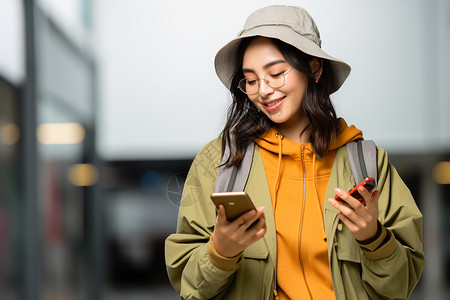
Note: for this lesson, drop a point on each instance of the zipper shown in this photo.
(301, 222)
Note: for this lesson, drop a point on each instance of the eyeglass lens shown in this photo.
(251, 85)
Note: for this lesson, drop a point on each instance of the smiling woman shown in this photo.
(299, 243)
(311, 79)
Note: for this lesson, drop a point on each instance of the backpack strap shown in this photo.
(234, 179)
(361, 153)
(363, 159)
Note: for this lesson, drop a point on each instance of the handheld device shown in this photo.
(235, 203)
(368, 184)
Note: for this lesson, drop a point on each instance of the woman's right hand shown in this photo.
(231, 238)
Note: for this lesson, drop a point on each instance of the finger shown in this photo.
(361, 230)
(352, 202)
(253, 219)
(257, 224)
(245, 217)
(260, 233)
(376, 195)
(255, 231)
(222, 216)
(259, 213)
(344, 207)
(346, 221)
(353, 217)
(357, 226)
(366, 195)
(349, 223)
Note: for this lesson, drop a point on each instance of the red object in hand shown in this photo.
(368, 183)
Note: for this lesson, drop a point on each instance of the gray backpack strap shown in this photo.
(363, 159)
(234, 179)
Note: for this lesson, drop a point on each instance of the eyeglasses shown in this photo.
(250, 86)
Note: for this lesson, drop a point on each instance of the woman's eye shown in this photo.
(251, 81)
(277, 75)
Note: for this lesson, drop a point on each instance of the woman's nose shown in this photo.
(264, 88)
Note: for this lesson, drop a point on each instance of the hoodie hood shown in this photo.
(270, 140)
(346, 135)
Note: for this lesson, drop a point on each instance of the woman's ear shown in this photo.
(316, 67)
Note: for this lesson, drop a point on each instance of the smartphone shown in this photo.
(235, 203)
(368, 183)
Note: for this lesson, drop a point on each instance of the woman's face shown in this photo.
(283, 105)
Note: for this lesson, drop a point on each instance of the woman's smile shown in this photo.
(272, 105)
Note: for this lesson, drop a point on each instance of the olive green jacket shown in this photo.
(389, 272)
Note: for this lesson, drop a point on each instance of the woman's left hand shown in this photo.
(360, 219)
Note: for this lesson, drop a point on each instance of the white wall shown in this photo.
(160, 97)
(12, 37)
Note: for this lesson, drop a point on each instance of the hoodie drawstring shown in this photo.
(277, 182)
(317, 196)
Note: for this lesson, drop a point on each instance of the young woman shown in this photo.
(300, 243)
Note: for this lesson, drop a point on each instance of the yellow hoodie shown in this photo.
(302, 263)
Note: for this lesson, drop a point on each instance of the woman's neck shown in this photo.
(296, 133)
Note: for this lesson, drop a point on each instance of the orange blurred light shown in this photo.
(60, 133)
(441, 172)
(10, 134)
(83, 175)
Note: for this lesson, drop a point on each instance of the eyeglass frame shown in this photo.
(263, 78)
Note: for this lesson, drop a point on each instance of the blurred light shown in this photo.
(151, 181)
(83, 175)
(60, 133)
(441, 172)
(10, 134)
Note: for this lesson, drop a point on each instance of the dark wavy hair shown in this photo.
(246, 122)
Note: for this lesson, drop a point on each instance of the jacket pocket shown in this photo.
(257, 250)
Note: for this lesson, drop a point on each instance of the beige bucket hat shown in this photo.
(290, 24)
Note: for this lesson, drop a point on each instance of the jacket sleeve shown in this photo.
(393, 270)
(189, 267)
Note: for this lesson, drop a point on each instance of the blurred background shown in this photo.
(104, 104)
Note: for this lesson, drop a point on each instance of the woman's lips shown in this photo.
(273, 105)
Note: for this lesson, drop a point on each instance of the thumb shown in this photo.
(221, 216)
(376, 195)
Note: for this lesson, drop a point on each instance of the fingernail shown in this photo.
(338, 191)
(332, 201)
